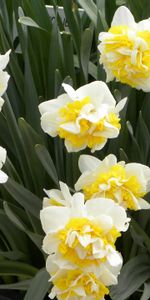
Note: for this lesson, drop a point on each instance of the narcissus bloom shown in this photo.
(76, 284)
(3, 176)
(107, 273)
(84, 118)
(4, 77)
(84, 232)
(125, 50)
(124, 183)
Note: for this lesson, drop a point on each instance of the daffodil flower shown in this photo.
(4, 76)
(125, 50)
(126, 184)
(76, 284)
(84, 118)
(84, 232)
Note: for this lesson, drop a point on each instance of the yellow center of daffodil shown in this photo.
(88, 130)
(77, 233)
(116, 183)
(76, 280)
(127, 54)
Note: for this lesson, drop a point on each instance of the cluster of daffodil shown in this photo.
(4, 77)
(82, 229)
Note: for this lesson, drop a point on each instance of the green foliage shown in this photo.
(43, 56)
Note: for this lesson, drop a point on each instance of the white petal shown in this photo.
(3, 177)
(49, 124)
(99, 206)
(143, 204)
(50, 244)
(54, 218)
(84, 179)
(72, 148)
(123, 17)
(70, 91)
(141, 172)
(3, 154)
(107, 277)
(103, 221)
(71, 127)
(120, 105)
(114, 257)
(110, 131)
(4, 59)
(98, 92)
(119, 216)
(1, 103)
(88, 163)
(4, 77)
(144, 25)
(80, 291)
(66, 193)
(78, 208)
(52, 106)
(98, 146)
(53, 293)
(54, 194)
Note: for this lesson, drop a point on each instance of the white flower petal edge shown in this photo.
(4, 60)
(123, 17)
(60, 197)
(4, 76)
(3, 154)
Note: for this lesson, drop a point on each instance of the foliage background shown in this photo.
(43, 56)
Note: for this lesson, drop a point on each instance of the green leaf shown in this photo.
(47, 162)
(143, 137)
(141, 233)
(12, 255)
(69, 68)
(30, 139)
(90, 8)
(135, 152)
(24, 197)
(86, 44)
(146, 293)
(40, 280)
(14, 239)
(22, 285)
(134, 273)
(16, 269)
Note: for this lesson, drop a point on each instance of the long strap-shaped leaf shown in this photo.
(133, 275)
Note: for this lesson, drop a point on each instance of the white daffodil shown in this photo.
(124, 183)
(84, 232)
(76, 284)
(86, 283)
(86, 117)
(57, 197)
(3, 176)
(107, 273)
(125, 50)
(4, 77)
